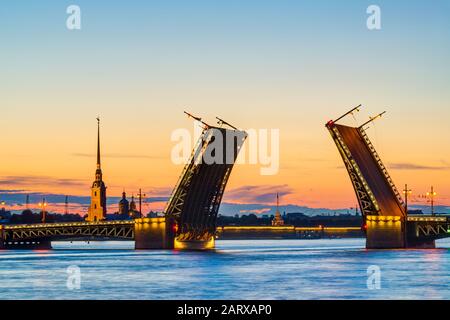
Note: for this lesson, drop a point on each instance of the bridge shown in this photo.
(190, 216)
(194, 203)
(386, 221)
(40, 235)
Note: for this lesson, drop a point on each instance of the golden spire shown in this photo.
(98, 142)
(278, 220)
(278, 201)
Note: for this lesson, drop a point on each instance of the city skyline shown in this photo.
(265, 76)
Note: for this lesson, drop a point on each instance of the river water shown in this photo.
(257, 269)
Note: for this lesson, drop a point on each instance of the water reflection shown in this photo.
(277, 269)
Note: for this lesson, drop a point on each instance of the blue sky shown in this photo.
(291, 65)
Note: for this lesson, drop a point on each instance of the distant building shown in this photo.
(4, 215)
(278, 220)
(133, 212)
(128, 209)
(97, 209)
(124, 205)
(152, 214)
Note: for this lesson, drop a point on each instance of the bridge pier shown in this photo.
(194, 244)
(153, 233)
(385, 232)
(391, 232)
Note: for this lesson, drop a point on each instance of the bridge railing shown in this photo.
(65, 224)
(106, 229)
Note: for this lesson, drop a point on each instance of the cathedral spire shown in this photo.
(278, 220)
(97, 209)
(98, 172)
(278, 201)
(98, 142)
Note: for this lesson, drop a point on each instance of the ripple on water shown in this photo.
(259, 269)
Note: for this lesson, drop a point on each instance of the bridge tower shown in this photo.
(97, 209)
(382, 207)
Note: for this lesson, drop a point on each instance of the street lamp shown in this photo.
(406, 192)
(432, 194)
(42, 205)
(141, 195)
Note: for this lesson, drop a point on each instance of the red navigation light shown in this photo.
(364, 227)
(175, 227)
(330, 123)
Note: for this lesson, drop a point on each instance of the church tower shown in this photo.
(278, 220)
(97, 210)
(124, 206)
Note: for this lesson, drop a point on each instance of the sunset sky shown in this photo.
(287, 65)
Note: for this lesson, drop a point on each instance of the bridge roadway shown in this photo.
(370, 170)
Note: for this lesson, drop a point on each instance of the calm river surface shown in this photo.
(261, 269)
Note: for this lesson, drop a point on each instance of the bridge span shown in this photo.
(147, 233)
(386, 221)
